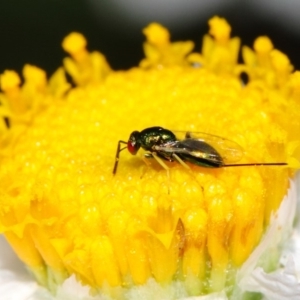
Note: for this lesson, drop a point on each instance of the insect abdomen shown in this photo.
(202, 162)
(199, 153)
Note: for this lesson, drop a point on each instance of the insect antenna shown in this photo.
(255, 164)
(119, 149)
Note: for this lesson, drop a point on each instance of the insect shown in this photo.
(203, 150)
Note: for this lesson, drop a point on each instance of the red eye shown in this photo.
(131, 146)
(134, 144)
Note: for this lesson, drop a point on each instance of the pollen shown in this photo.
(65, 213)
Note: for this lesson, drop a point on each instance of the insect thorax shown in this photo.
(155, 136)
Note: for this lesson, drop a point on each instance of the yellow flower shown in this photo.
(192, 227)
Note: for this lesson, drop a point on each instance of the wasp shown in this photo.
(203, 149)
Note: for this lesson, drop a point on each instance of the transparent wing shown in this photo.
(205, 146)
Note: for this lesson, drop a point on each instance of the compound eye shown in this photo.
(133, 146)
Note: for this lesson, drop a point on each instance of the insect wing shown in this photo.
(200, 150)
(191, 148)
(230, 151)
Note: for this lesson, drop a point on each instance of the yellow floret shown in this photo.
(219, 29)
(64, 212)
(219, 51)
(84, 67)
(160, 52)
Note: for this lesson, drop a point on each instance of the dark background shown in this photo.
(32, 31)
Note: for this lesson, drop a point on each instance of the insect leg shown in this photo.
(188, 135)
(119, 149)
(180, 161)
(160, 161)
(187, 167)
(147, 163)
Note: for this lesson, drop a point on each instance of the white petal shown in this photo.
(280, 285)
(283, 283)
(15, 281)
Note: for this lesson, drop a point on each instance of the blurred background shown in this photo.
(32, 30)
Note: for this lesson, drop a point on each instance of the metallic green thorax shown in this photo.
(153, 136)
